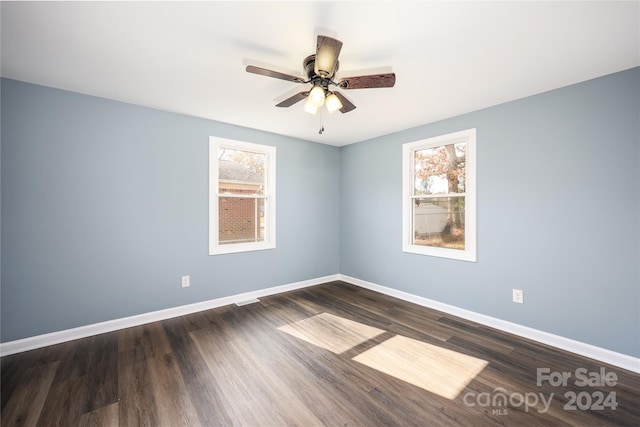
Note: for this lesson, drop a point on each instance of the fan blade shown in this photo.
(346, 104)
(274, 74)
(327, 51)
(293, 99)
(372, 81)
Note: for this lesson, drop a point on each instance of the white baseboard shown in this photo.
(44, 340)
(607, 356)
(598, 353)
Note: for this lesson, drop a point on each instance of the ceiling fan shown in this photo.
(321, 69)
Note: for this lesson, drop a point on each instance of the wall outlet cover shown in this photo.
(518, 296)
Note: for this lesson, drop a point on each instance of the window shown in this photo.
(439, 203)
(241, 196)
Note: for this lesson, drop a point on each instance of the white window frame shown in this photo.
(215, 248)
(408, 186)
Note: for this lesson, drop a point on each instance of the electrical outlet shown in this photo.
(186, 281)
(518, 296)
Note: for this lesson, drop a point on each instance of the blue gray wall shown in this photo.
(558, 214)
(105, 207)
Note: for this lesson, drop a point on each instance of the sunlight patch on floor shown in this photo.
(432, 368)
(330, 332)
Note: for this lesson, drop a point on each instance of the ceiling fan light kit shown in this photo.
(320, 69)
(310, 107)
(333, 103)
(316, 96)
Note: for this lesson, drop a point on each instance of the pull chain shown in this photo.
(321, 125)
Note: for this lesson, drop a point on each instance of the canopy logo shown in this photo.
(499, 400)
(586, 400)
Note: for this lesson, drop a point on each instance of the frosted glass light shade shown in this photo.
(316, 96)
(333, 103)
(309, 107)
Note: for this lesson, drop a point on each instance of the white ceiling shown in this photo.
(189, 57)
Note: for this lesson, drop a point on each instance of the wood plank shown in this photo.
(253, 393)
(312, 372)
(136, 405)
(14, 366)
(102, 368)
(107, 416)
(150, 337)
(202, 387)
(27, 399)
(170, 393)
(64, 403)
(74, 363)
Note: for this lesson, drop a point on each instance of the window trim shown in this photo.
(408, 185)
(269, 196)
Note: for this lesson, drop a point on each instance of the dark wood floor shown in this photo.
(234, 366)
